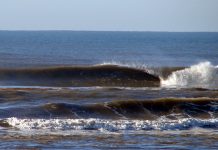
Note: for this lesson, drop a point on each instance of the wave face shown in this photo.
(101, 75)
(202, 75)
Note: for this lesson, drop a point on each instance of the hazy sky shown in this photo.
(130, 15)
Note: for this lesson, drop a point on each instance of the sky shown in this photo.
(109, 15)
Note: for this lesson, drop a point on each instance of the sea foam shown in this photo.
(111, 125)
(202, 75)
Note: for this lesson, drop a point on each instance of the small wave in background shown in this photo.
(162, 114)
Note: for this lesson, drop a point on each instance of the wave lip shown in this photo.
(202, 75)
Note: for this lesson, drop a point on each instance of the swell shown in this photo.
(171, 108)
(102, 75)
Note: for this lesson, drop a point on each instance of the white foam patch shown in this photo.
(202, 75)
(111, 125)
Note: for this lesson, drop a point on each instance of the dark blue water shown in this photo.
(40, 48)
(108, 90)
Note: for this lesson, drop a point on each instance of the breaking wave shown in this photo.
(202, 75)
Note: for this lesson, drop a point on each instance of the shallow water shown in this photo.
(98, 140)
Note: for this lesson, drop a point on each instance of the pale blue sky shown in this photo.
(130, 15)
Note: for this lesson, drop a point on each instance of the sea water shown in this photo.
(108, 90)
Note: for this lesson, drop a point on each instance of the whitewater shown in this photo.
(202, 75)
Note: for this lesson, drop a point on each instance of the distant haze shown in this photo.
(110, 15)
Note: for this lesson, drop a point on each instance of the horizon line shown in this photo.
(39, 30)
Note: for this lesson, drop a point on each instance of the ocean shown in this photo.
(108, 90)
